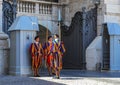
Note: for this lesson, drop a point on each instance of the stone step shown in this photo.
(106, 60)
(106, 63)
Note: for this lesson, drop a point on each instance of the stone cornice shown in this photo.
(3, 36)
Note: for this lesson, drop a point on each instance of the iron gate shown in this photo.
(78, 36)
(9, 13)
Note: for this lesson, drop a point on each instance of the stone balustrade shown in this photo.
(46, 12)
(36, 7)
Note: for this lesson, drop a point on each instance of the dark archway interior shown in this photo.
(43, 33)
(51, 0)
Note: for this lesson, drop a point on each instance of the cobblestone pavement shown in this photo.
(68, 77)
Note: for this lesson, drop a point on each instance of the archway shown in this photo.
(43, 33)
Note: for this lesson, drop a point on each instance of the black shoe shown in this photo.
(50, 74)
(58, 77)
(53, 74)
(38, 76)
(35, 75)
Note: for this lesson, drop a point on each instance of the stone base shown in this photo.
(3, 36)
(4, 53)
(94, 54)
(20, 71)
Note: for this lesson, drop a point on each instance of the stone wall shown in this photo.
(108, 11)
(100, 17)
(112, 11)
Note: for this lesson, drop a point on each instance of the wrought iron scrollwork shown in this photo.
(9, 14)
(77, 19)
(78, 36)
(82, 19)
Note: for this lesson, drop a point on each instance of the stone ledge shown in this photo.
(116, 2)
(113, 19)
(3, 36)
(112, 8)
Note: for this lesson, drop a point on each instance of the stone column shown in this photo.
(37, 8)
(3, 46)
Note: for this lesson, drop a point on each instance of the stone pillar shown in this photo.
(37, 8)
(0, 16)
(3, 47)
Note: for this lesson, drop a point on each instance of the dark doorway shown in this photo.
(51, 0)
(106, 48)
(43, 33)
(77, 37)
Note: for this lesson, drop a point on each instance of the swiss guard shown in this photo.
(36, 53)
(58, 54)
(48, 52)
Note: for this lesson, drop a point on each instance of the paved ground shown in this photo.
(68, 77)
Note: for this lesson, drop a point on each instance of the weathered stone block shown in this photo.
(113, 8)
(112, 2)
(110, 18)
(94, 53)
